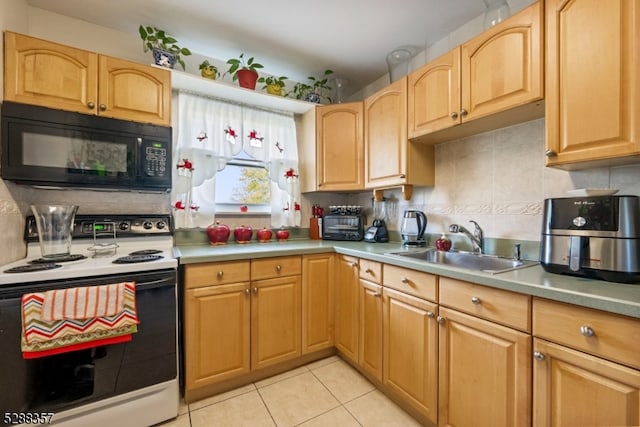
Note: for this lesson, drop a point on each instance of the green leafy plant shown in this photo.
(274, 85)
(155, 38)
(239, 63)
(317, 85)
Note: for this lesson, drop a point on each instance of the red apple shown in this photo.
(264, 235)
(218, 234)
(243, 234)
(282, 234)
(244, 208)
(443, 244)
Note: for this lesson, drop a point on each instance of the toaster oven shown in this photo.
(343, 227)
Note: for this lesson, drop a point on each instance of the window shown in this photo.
(243, 185)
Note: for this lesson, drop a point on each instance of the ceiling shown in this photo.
(296, 38)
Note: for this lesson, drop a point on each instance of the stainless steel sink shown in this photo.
(487, 263)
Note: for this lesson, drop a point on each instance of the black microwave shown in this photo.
(55, 148)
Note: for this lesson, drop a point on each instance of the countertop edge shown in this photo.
(615, 298)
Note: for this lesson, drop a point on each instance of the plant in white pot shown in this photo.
(166, 51)
(314, 90)
(244, 71)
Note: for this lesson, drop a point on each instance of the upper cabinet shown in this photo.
(593, 93)
(390, 159)
(340, 146)
(52, 75)
(499, 71)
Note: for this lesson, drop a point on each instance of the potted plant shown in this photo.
(244, 72)
(273, 85)
(208, 71)
(314, 90)
(166, 51)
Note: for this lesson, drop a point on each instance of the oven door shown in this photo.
(60, 382)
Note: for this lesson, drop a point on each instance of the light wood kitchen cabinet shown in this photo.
(586, 368)
(347, 310)
(317, 302)
(52, 75)
(340, 147)
(498, 71)
(217, 322)
(410, 351)
(370, 322)
(390, 159)
(484, 367)
(593, 95)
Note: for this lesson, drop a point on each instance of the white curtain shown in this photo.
(208, 133)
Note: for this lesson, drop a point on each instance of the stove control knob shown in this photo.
(161, 225)
(124, 226)
(147, 225)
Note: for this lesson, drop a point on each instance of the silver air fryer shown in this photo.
(597, 237)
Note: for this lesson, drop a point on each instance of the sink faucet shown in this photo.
(477, 239)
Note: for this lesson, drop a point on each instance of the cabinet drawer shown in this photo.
(607, 335)
(371, 270)
(267, 268)
(500, 306)
(216, 273)
(412, 282)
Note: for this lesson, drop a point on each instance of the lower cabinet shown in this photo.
(317, 302)
(410, 351)
(347, 302)
(370, 357)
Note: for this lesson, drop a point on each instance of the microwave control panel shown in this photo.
(155, 155)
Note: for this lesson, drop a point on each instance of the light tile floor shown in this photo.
(327, 393)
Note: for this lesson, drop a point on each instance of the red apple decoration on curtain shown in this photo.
(282, 234)
(264, 235)
(243, 234)
(218, 234)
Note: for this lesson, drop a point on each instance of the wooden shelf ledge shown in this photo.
(407, 191)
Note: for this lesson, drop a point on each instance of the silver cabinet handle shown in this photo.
(538, 356)
(247, 291)
(103, 107)
(91, 105)
(463, 113)
(476, 300)
(405, 280)
(430, 314)
(278, 268)
(550, 153)
(454, 115)
(587, 331)
(255, 290)
(440, 320)
(403, 176)
(220, 274)
(376, 294)
(368, 271)
(354, 264)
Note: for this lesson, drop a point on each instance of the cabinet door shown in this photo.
(592, 89)
(485, 373)
(502, 68)
(49, 74)
(410, 355)
(346, 307)
(385, 119)
(371, 328)
(434, 95)
(275, 320)
(575, 389)
(317, 302)
(135, 92)
(216, 333)
(340, 146)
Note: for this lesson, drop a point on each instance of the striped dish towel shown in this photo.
(41, 337)
(83, 302)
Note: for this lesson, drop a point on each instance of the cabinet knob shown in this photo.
(368, 271)
(376, 294)
(587, 331)
(103, 107)
(247, 291)
(430, 314)
(91, 105)
(454, 115)
(476, 300)
(538, 356)
(463, 113)
(440, 320)
(354, 264)
(403, 176)
(220, 274)
(255, 290)
(405, 280)
(550, 153)
(278, 268)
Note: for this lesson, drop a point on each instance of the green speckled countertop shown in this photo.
(613, 297)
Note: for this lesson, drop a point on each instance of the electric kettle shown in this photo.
(414, 224)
